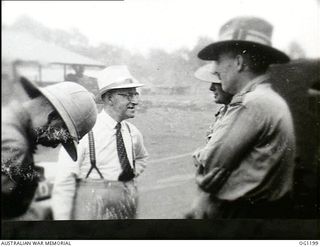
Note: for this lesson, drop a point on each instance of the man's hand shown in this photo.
(196, 157)
(213, 180)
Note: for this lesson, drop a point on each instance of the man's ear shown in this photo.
(240, 63)
(53, 115)
(109, 98)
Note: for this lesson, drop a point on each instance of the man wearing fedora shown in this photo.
(113, 155)
(60, 113)
(202, 206)
(249, 161)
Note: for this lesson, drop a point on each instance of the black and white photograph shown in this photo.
(160, 120)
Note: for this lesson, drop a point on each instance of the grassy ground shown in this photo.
(169, 131)
(167, 187)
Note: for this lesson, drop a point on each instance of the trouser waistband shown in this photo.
(104, 182)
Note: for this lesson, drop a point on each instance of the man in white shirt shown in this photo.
(103, 186)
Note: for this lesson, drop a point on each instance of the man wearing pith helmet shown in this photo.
(202, 206)
(101, 185)
(207, 73)
(60, 113)
(249, 161)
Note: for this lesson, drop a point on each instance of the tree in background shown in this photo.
(158, 68)
(295, 51)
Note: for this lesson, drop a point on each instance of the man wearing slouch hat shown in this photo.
(249, 162)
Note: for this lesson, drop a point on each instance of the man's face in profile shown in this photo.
(220, 96)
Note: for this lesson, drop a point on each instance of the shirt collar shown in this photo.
(111, 123)
(249, 87)
(253, 83)
(221, 110)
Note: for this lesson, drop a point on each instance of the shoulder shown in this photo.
(14, 123)
(14, 140)
(265, 103)
(11, 111)
(263, 96)
(102, 123)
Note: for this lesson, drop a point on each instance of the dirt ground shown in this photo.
(167, 187)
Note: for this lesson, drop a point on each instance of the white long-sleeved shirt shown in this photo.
(107, 161)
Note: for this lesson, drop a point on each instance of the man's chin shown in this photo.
(131, 113)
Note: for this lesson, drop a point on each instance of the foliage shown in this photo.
(157, 68)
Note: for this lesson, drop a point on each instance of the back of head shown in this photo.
(256, 61)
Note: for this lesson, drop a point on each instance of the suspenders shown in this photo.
(92, 153)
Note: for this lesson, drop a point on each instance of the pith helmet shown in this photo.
(74, 104)
(207, 73)
(114, 77)
(245, 32)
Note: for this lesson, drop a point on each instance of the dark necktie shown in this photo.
(127, 173)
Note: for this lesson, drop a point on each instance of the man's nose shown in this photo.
(135, 100)
(55, 120)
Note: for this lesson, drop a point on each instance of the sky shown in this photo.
(140, 25)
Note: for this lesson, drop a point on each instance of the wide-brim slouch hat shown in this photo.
(245, 32)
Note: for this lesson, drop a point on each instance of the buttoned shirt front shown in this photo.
(215, 125)
(107, 160)
(255, 142)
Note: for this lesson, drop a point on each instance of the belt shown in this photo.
(103, 182)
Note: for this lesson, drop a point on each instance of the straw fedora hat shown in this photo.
(115, 77)
(245, 32)
(206, 73)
